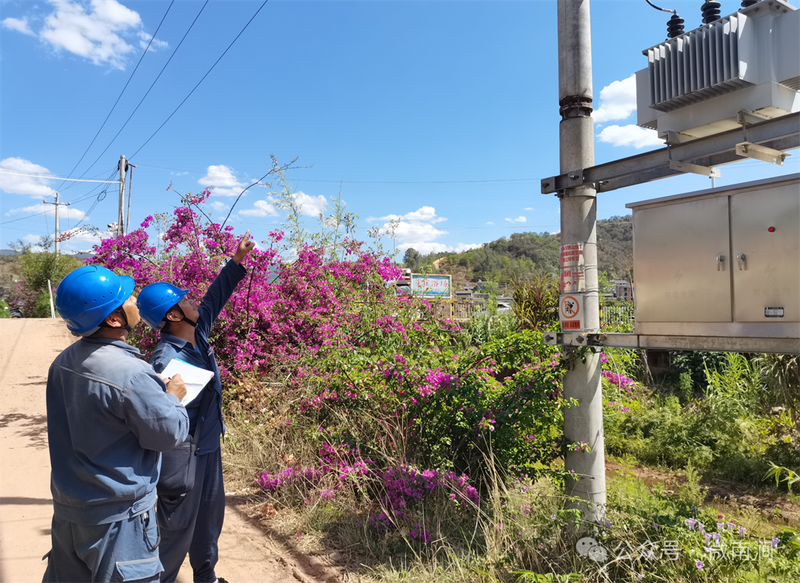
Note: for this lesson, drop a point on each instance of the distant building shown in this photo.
(622, 290)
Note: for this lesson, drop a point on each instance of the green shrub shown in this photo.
(722, 434)
(484, 327)
(780, 374)
(695, 363)
(685, 387)
(32, 294)
(536, 302)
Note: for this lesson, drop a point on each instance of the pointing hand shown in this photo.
(245, 246)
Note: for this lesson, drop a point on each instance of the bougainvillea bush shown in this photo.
(359, 364)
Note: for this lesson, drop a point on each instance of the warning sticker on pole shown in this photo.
(570, 310)
(573, 279)
(571, 255)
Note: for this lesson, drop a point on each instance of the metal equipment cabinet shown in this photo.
(720, 262)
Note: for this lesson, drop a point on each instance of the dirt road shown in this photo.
(27, 347)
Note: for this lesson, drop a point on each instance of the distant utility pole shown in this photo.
(130, 188)
(583, 424)
(57, 204)
(123, 167)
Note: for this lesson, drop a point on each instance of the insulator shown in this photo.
(746, 3)
(674, 26)
(710, 12)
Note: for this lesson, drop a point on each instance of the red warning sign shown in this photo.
(570, 307)
(570, 312)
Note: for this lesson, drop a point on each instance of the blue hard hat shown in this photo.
(156, 299)
(87, 295)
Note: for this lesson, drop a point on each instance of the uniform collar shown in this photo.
(174, 340)
(114, 342)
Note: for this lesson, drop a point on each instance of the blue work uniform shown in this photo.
(185, 528)
(108, 420)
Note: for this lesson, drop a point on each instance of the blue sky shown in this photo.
(442, 115)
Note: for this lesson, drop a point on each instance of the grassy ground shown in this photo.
(522, 531)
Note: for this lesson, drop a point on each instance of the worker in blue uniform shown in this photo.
(192, 522)
(109, 415)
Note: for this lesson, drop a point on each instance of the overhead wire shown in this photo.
(118, 98)
(487, 180)
(201, 80)
(151, 86)
(85, 197)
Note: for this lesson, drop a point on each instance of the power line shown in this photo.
(201, 80)
(53, 177)
(151, 86)
(26, 217)
(487, 180)
(425, 181)
(87, 196)
(118, 97)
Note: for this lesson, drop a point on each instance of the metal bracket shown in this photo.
(750, 150)
(715, 343)
(694, 168)
(745, 116)
(674, 138)
(558, 183)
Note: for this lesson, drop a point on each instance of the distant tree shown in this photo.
(412, 258)
(615, 246)
(520, 256)
(39, 269)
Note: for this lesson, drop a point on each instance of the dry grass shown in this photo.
(520, 530)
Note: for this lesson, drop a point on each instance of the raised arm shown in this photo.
(220, 291)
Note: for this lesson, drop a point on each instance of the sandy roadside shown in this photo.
(27, 347)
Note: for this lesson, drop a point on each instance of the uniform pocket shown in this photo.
(174, 513)
(140, 570)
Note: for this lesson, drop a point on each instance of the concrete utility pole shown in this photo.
(130, 188)
(57, 204)
(584, 423)
(121, 216)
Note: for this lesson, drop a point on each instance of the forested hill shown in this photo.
(520, 254)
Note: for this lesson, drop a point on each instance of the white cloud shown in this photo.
(92, 35)
(310, 206)
(20, 25)
(144, 40)
(630, 135)
(617, 101)
(530, 208)
(415, 233)
(222, 181)
(227, 192)
(416, 229)
(426, 214)
(219, 175)
(519, 219)
(218, 206)
(261, 208)
(76, 240)
(65, 212)
(490, 223)
(31, 185)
